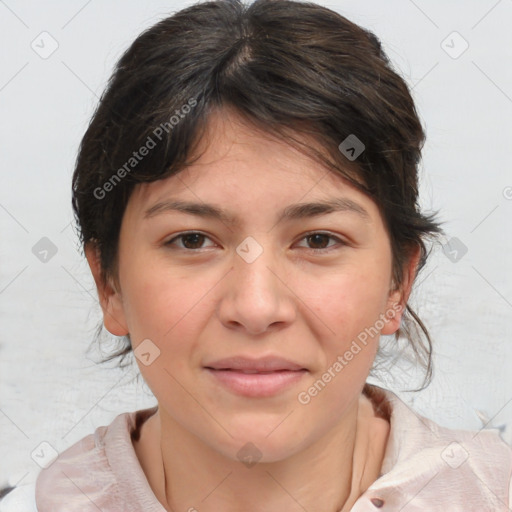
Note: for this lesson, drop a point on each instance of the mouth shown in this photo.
(262, 377)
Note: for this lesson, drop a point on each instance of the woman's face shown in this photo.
(254, 316)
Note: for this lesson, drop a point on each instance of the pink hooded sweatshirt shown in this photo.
(426, 467)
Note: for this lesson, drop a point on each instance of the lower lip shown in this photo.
(257, 384)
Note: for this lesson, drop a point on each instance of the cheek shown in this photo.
(171, 311)
(165, 309)
(160, 303)
(347, 303)
(349, 306)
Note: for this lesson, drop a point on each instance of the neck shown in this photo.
(327, 476)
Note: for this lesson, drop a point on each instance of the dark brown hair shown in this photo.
(287, 67)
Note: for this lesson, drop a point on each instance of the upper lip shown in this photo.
(263, 364)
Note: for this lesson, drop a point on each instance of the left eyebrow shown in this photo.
(340, 204)
(291, 212)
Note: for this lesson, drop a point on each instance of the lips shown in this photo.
(262, 377)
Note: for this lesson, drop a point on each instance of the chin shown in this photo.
(261, 445)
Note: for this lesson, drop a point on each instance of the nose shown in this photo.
(256, 296)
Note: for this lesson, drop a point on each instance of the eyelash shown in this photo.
(307, 235)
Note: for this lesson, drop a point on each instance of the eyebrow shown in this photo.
(291, 212)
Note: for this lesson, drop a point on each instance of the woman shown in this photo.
(247, 198)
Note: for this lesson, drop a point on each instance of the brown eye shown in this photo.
(319, 242)
(191, 241)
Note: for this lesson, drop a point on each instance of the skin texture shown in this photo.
(205, 302)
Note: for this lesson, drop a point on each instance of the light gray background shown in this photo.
(52, 391)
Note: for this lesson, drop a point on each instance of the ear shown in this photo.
(110, 299)
(398, 297)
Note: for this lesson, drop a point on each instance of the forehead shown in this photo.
(237, 160)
